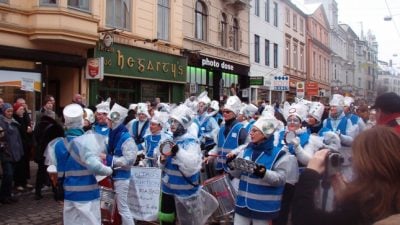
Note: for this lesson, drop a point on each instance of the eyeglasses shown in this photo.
(255, 131)
(227, 112)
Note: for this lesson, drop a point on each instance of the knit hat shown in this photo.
(388, 102)
(73, 116)
(233, 104)
(266, 125)
(16, 106)
(6, 106)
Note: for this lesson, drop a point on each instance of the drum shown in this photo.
(107, 205)
(221, 188)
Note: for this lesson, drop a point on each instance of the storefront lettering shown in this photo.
(216, 64)
(144, 65)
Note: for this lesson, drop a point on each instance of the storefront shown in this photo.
(219, 77)
(134, 75)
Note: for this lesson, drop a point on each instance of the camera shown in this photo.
(334, 163)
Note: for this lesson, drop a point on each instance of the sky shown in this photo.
(369, 15)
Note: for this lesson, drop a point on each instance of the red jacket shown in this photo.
(391, 120)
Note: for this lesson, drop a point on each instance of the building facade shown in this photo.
(388, 78)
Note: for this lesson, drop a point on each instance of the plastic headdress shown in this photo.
(297, 109)
(266, 125)
(204, 98)
(164, 107)
(192, 103)
(117, 114)
(248, 110)
(132, 106)
(268, 112)
(233, 104)
(88, 115)
(316, 110)
(142, 108)
(183, 114)
(337, 100)
(348, 101)
(73, 116)
(104, 106)
(160, 118)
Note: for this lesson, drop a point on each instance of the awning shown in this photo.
(27, 81)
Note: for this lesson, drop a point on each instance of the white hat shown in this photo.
(132, 106)
(117, 114)
(348, 101)
(204, 98)
(337, 100)
(160, 118)
(183, 114)
(233, 104)
(295, 109)
(163, 107)
(73, 116)
(192, 103)
(268, 112)
(316, 110)
(266, 125)
(104, 106)
(142, 108)
(248, 110)
(214, 105)
(88, 115)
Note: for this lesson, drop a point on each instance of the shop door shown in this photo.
(122, 91)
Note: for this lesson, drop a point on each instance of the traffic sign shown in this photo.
(281, 83)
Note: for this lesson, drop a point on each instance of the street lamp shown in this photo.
(390, 17)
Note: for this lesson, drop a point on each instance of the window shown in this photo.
(201, 21)
(314, 64)
(45, 2)
(275, 55)
(294, 22)
(301, 26)
(267, 10)
(79, 4)
(287, 17)
(256, 48)
(224, 30)
(118, 14)
(257, 7)
(295, 56)
(266, 52)
(275, 14)
(302, 58)
(287, 53)
(235, 35)
(163, 22)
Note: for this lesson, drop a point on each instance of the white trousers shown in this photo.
(121, 188)
(82, 213)
(241, 220)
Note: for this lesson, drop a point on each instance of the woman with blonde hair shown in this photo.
(373, 195)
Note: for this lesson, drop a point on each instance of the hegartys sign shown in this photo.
(142, 63)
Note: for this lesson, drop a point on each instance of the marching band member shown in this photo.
(214, 112)
(208, 125)
(121, 154)
(259, 197)
(181, 169)
(102, 110)
(246, 115)
(313, 122)
(139, 127)
(88, 119)
(77, 166)
(349, 112)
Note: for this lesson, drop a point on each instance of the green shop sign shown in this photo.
(142, 63)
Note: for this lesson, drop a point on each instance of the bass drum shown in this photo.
(108, 205)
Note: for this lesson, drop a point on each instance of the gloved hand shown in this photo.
(174, 150)
(260, 171)
(139, 158)
(230, 157)
(295, 141)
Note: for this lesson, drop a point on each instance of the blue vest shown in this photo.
(227, 144)
(353, 118)
(173, 182)
(342, 127)
(79, 183)
(304, 137)
(139, 138)
(152, 142)
(123, 173)
(253, 192)
(101, 129)
(205, 128)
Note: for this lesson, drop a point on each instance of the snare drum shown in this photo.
(107, 205)
(221, 188)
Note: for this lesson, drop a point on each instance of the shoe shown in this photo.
(29, 186)
(20, 188)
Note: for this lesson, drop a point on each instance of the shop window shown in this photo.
(79, 4)
(201, 21)
(118, 14)
(163, 20)
(48, 2)
(235, 35)
(196, 75)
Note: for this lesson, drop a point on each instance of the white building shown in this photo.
(388, 79)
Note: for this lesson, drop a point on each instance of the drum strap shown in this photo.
(187, 179)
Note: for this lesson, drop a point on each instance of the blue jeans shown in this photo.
(6, 183)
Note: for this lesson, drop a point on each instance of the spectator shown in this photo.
(78, 100)
(387, 108)
(373, 195)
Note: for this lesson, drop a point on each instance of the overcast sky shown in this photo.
(371, 14)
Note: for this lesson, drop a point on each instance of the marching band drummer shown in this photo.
(121, 154)
(181, 169)
(102, 110)
(259, 197)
